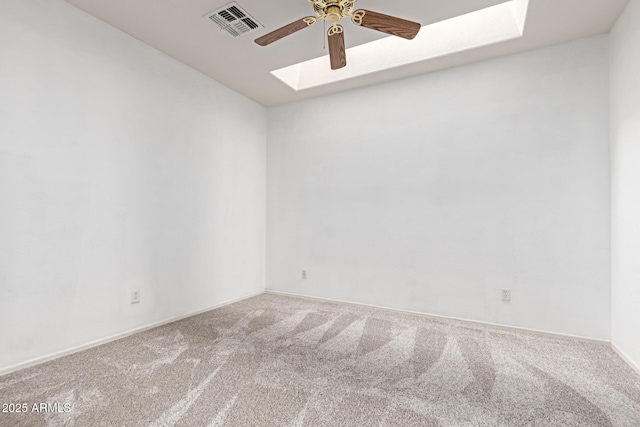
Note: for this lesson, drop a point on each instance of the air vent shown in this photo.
(234, 20)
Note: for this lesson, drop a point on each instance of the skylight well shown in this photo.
(495, 24)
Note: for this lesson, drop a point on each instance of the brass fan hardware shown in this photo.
(333, 11)
(357, 16)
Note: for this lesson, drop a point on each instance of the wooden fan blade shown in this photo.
(386, 24)
(285, 31)
(337, 51)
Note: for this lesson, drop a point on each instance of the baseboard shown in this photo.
(53, 356)
(626, 358)
(438, 316)
(56, 355)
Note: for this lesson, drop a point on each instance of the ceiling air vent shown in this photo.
(234, 20)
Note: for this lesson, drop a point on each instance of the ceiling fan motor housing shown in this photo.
(333, 10)
(333, 13)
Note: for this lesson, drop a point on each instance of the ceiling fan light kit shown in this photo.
(334, 11)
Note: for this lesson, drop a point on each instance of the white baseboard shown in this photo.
(52, 356)
(56, 355)
(626, 358)
(438, 316)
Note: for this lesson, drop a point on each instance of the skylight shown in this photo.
(505, 21)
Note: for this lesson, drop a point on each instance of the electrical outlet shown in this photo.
(135, 297)
(506, 295)
(304, 275)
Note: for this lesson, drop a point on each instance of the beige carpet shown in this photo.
(282, 361)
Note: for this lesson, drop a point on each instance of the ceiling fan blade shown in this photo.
(386, 24)
(285, 31)
(337, 51)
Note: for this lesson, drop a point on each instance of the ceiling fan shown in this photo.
(335, 10)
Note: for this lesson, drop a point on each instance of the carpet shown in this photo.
(275, 360)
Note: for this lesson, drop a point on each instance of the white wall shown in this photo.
(120, 169)
(625, 182)
(434, 192)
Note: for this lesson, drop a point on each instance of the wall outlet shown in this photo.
(304, 275)
(506, 295)
(135, 297)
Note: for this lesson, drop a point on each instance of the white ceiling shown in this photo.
(177, 28)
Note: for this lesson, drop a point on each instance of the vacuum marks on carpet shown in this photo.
(283, 361)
